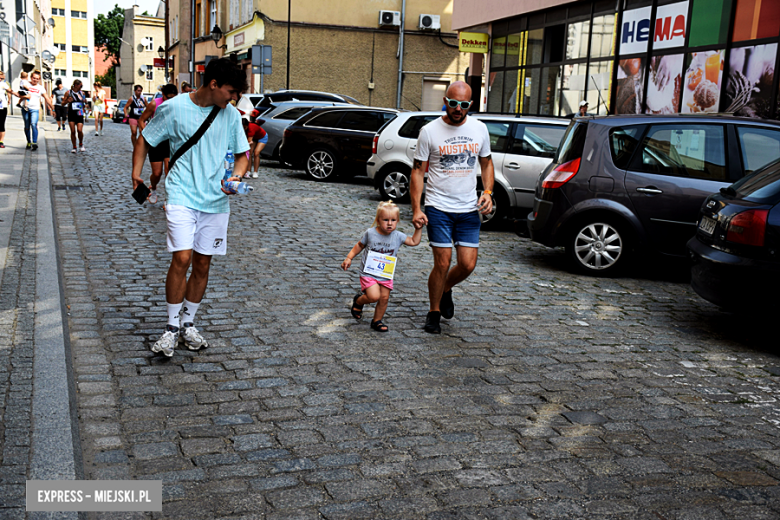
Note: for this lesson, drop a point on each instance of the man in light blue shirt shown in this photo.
(197, 207)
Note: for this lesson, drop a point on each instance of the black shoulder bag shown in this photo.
(195, 137)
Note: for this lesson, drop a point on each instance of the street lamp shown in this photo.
(161, 52)
(216, 35)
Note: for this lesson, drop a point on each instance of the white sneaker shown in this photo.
(101, 131)
(73, 151)
(191, 337)
(166, 343)
(82, 149)
(254, 175)
(97, 133)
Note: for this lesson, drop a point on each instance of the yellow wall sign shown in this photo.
(473, 42)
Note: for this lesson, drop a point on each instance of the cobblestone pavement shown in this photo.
(549, 395)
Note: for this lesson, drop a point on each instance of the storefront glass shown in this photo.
(749, 85)
(599, 82)
(494, 94)
(551, 80)
(602, 42)
(573, 87)
(577, 40)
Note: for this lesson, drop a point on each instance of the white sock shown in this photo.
(188, 312)
(173, 314)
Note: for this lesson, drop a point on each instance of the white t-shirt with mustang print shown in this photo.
(453, 154)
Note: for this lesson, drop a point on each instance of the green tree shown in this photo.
(108, 31)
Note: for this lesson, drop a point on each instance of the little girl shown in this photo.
(376, 273)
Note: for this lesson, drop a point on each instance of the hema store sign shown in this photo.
(667, 31)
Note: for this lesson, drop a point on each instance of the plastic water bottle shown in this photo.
(152, 197)
(230, 162)
(242, 188)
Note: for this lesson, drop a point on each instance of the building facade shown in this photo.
(74, 39)
(26, 31)
(143, 37)
(629, 56)
(335, 46)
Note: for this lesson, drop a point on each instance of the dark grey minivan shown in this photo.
(621, 184)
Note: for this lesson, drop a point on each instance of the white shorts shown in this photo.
(205, 233)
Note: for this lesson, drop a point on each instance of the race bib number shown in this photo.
(380, 265)
(138, 111)
(76, 106)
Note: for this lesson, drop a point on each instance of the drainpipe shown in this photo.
(192, 44)
(401, 55)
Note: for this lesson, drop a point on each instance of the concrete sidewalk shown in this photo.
(37, 435)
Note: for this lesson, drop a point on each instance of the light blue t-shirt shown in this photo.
(195, 179)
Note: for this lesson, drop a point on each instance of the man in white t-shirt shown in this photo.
(453, 149)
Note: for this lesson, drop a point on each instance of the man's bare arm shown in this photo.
(147, 114)
(415, 190)
(488, 174)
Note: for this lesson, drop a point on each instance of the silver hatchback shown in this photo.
(521, 149)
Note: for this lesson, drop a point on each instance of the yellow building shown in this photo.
(74, 37)
(340, 46)
(142, 37)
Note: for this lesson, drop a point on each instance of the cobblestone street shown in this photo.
(548, 395)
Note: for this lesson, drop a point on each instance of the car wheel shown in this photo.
(598, 247)
(500, 208)
(394, 184)
(321, 164)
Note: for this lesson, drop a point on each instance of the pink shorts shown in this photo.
(133, 122)
(367, 281)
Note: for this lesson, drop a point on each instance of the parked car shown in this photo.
(280, 115)
(735, 251)
(301, 95)
(625, 183)
(118, 115)
(521, 148)
(333, 141)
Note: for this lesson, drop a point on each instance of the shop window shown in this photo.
(760, 146)
(495, 92)
(554, 40)
(599, 82)
(756, 19)
(702, 81)
(663, 87)
(630, 79)
(694, 151)
(577, 40)
(534, 43)
(497, 53)
(573, 88)
(511, 92)
(528, 85)
(750, 79)
(709, 22)
(515, 49)
(551, 78)
(603, 36)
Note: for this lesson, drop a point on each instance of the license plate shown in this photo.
(707, 225)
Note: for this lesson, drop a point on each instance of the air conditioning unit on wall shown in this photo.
(429, 22)
(390, 18)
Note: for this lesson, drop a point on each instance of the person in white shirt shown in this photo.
(453, 150)
(35, 92)
(5, 100)
(98, 107)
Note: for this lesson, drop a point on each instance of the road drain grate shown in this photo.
(70, 188)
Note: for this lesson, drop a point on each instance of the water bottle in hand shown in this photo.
(152, 198)
(242, 188)
(230, 162)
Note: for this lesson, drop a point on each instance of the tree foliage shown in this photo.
(108, 31)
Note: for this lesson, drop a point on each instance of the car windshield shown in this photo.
(762, 186)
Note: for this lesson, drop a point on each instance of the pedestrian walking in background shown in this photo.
(379, 244)
(134, 107)
(75, 101)
(197, 208)
(60, 110)
(449, 149)
(31, 112)
(160, 154)
(98, 107)
(186, 88)
(259, 139)
(6, 93)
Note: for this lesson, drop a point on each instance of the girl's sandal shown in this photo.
(356, 310)
(379, 326)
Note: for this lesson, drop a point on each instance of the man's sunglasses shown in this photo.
(453, 103)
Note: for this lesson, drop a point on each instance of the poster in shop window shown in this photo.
(663, 87)
(749, 90)
(703, 76)
(630, 79)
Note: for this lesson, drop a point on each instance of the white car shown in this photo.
(521, 148)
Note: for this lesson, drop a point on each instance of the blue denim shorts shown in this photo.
(447, 229)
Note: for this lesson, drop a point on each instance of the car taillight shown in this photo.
(748, 227)
(287, 132)
(375, 143)
(561, 174)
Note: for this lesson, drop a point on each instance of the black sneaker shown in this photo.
(432, 323)
(29, 146)
(34, 147)
(447, 306)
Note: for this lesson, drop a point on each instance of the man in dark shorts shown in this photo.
(158, 155)
(60, 110)
(449, 148)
